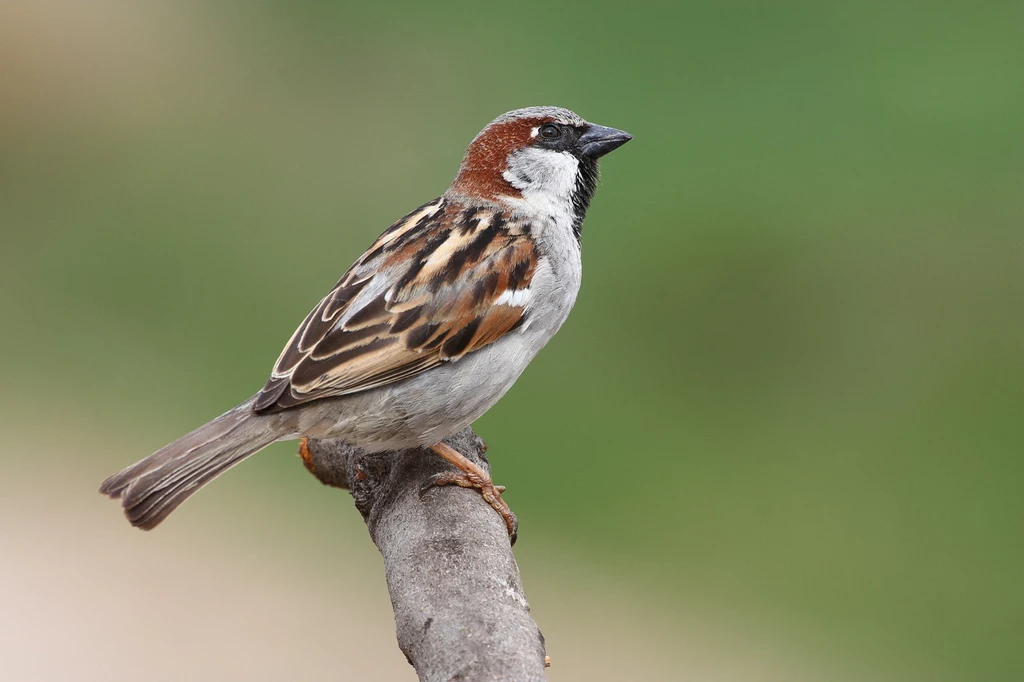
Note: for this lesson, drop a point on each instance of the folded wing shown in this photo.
(444, 281)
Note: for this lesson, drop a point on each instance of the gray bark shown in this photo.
(460, 610)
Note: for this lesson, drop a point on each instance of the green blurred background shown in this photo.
(779, 438)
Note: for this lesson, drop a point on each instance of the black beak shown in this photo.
(598, 141)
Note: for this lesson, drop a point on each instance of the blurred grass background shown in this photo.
(779, 438)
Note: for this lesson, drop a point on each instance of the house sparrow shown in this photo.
(429, 328)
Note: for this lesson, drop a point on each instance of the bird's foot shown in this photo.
(470, 475)
(490, 492)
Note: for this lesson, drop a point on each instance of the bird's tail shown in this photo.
(152, 488)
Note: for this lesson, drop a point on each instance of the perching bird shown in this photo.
(428, 329)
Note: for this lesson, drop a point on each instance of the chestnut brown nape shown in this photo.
(481, 172)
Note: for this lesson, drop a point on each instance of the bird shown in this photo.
(429, 327)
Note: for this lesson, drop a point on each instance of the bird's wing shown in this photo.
(442, 282)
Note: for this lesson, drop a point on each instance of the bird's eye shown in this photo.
(550, 132)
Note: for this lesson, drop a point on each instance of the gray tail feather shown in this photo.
(152, 488)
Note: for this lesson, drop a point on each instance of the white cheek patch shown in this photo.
(533, 131)
(514, 298)
(546, 178)
(542, 170)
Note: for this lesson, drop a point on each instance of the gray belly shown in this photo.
(426, 408)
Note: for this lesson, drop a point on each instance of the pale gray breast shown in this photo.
(559, 275)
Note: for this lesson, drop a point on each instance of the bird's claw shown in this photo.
(490, 492)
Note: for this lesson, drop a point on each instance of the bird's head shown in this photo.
(544, 158)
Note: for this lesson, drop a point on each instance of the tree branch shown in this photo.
(460, 610)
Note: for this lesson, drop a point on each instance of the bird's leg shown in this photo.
(470, 475)
(305, 456)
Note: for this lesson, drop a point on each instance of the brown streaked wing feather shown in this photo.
(440, 272)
